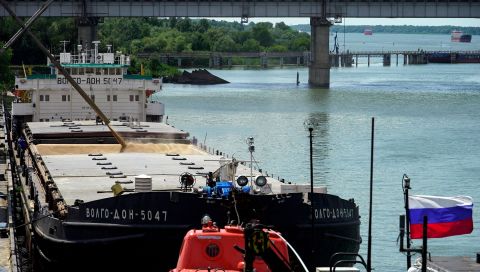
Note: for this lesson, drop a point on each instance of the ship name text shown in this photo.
(126, 214)
(92, 80)
(334, 213)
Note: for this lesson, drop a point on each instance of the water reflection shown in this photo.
(319, 122)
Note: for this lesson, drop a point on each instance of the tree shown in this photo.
(261, 33)
(225, 44)
(203, 26)
(198, 42)
(184, 25)
(282, 26)
(251, 45)
(6, 76)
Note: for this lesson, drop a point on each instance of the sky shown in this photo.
(374, 21)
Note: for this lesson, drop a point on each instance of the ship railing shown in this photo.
(90, 59)
(217, 152)
(355, 258)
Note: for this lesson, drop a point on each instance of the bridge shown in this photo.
(253, 8)
(322, 14)
(301, 58)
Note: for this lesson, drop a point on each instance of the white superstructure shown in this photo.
(103, 76)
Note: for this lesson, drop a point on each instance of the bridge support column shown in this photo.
(386, 59)
(87, 31)
(264, 60)
(319, 70)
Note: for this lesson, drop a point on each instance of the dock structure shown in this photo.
(303, 58)
(455, 264)
(8, 247)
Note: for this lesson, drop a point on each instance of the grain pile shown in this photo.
(64, 149)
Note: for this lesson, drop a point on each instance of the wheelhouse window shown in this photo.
(108, 97)
(115, 97)
(137, 97)
(64, 98)
(41, 97)
(131, 97)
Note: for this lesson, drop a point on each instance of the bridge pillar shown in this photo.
(87, 30)
(179, 62)
(264, 60)
(298, 61)
(217, 61)
(319, 70)
(386, 59)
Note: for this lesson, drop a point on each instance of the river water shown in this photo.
(427, 125)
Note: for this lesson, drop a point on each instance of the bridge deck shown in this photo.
(253, 8)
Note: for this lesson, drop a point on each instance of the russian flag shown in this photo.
(447, 216)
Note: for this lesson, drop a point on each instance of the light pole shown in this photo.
(309, 125)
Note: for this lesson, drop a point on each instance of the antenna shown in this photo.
(95, 52)
(64, 44)
(251, 149)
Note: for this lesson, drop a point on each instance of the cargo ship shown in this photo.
(453, 57)
(368, 32)
(458, 36)
(95, 205)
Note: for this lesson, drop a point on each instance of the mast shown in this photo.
(251, 149)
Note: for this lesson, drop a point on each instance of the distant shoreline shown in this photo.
(391, 29)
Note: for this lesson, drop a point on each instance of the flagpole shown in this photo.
(406, 187)
(424, 247)
(369, 248)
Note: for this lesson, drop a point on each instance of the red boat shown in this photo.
(213, 249)
(455, 35)
(367, 31)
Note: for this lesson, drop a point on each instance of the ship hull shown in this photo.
(127, 233)
(453, 58)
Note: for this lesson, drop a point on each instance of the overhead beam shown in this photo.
(265, 8)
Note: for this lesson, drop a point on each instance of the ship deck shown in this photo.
(64, 132)
(80, 176)
(88, 171)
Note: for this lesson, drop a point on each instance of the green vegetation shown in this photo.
(405, 29)
(186, 35)
(6, 75)
(150, 36)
